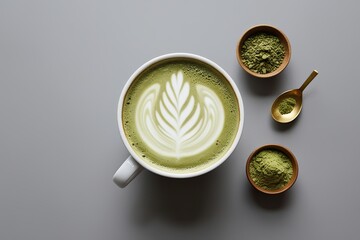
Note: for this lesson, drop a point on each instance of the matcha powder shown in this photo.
(287, 105)
(262, 53)
(271, 169)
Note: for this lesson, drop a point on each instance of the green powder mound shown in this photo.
(262, 53)
(287, 105)
(271, 169)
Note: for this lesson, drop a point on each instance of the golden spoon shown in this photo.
(295, 94)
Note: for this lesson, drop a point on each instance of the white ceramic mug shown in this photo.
(133, 165)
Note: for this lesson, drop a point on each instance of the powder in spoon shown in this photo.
(287, 105)
(271, 169)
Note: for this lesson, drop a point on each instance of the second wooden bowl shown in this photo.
(270, 30)
(288, 153)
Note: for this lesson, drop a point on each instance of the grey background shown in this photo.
(62, 67)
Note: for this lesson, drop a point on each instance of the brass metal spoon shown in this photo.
(295, 94)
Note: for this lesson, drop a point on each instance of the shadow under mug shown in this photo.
(133, 165)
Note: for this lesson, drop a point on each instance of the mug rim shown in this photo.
(174, 174)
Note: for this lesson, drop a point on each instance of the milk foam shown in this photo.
(176, 122)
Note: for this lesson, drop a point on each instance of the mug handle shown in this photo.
(127, 172)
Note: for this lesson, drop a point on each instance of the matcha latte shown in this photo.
(180, 115)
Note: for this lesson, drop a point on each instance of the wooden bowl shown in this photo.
(288, 153)
(270, 30)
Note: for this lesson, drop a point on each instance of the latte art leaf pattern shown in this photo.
(176, 122)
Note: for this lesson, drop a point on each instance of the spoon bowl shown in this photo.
(296, 94)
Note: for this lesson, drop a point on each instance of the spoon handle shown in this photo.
(308, 80)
